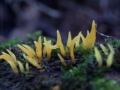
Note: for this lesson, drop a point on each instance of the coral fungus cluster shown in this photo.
(35, 57)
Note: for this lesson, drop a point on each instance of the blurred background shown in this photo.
(20, 17)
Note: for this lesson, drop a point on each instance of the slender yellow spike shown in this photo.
(62, 49)
(69, 40)
(104, 49)
(11, 63)
(10, 60)
(109, 60)
(53, 46)
(72, 49)
(111, 48)
(47, 46)
(84, 41)
(110, 57)
(34, 62)
(7, 57)
(58, 37)
(22, 70)
(29, 48)
(92, 35)
(62, 60)
(26, 51)
(39, 49)
(77, 42)
(27, 67)
(90, 39)
(88, 33)
(50, 42)
(98, 57)
(60, 44)
(13, 66)
(44, 51)
(12, 55)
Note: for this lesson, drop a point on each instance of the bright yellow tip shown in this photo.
(98, 57)
(58, 38)
(78, 41)
(29, 48)
(47, 48)
(110, 57)
(104, 49)
(13, 66)
(90, 39)
(27, 67)
(21, 67)
(10, 60)
(60, 44)
(69, 40)
(33, 61)
(12, 55)
(6, 56)
(93, 34)
(26, 50)
(72, 49)
(38, 46)
(62, 60)
(111, 48)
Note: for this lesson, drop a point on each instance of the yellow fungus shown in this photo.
(104, 49)
(35, 56)
(88, 33)
(78, 41)
(90, 39)
(10, 60)
(27, 66)
(92, 34)
(13, 66)
(44, 49)
(12, 55)
(21, 67)
(62, 60)
(58, 38)
(110, 57)
(38, 46)
(26, 51)
(8, 57)
(72, 49)
(69, 40)
(33, 61)
(47, 48)
(29, 48)
(98, 57)
(62, 49)
(60, 44)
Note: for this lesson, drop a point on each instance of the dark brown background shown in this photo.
(19, 17)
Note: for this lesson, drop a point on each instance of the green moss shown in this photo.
(104, 84)
(10, 43)
(35, 35)
(80, 76)
(114, 42)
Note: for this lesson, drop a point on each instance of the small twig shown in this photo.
(104, 35)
